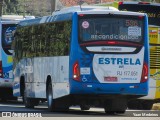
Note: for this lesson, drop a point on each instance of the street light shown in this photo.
(53, 5)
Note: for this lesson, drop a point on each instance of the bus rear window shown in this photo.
(108, 27)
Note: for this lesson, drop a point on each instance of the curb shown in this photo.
(156, 106)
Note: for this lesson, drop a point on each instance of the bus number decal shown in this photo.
(131, 23)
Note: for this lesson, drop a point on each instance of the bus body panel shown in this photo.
(35, 75)
(58, 69)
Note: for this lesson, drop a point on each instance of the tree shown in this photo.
(1, 3)
(10, 6)
(158, 1)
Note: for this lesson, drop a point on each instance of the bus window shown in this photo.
(109, 28)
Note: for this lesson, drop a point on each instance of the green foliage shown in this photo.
(26, 7)
(10, 7)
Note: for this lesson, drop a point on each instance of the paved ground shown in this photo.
(156, 106)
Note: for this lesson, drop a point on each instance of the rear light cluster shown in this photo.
(120, 3)
(144, 77)
(76, 71)
(1, 70)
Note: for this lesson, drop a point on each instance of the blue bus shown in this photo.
(8, 25)
(89, 56)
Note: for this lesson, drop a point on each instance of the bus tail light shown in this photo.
(76, 71)
(1, 70)
(140, 17)
(144, 73)
(120, 3)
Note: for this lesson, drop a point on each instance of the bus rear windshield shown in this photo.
(111, 27)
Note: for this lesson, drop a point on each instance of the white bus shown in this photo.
(96, 56)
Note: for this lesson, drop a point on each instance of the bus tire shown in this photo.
(140, 104)
(121, 112)
(115, 106)
(134, 104)
(109, 112)
(85, 107)
(147, 105)
(28, 102)
(50, 100)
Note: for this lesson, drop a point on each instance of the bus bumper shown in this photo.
(140, 89)
(6, 82)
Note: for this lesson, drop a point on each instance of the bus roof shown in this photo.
(112, 12)
(27, 22)
(67, 15)
(10, 22)
(11, 19)
(83, 8)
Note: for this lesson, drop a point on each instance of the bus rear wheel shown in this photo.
(115, 106)
(29, 102)
(85, 107)
(50, 100)
(59, 104)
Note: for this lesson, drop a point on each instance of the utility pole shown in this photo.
(24, 8)
(1, 8)
(53, 5)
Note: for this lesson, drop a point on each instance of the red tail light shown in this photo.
(144, 73)
(81, 15)
(76, 71)
(120, 3)
(1, 70)
(140, 17)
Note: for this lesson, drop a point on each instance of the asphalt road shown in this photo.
(15, 107)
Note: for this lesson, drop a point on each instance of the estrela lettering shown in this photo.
(119, 61)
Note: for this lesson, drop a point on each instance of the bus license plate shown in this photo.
(110, 79)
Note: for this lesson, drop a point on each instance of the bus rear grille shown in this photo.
(155, 57)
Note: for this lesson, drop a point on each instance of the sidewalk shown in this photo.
(156, 106)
